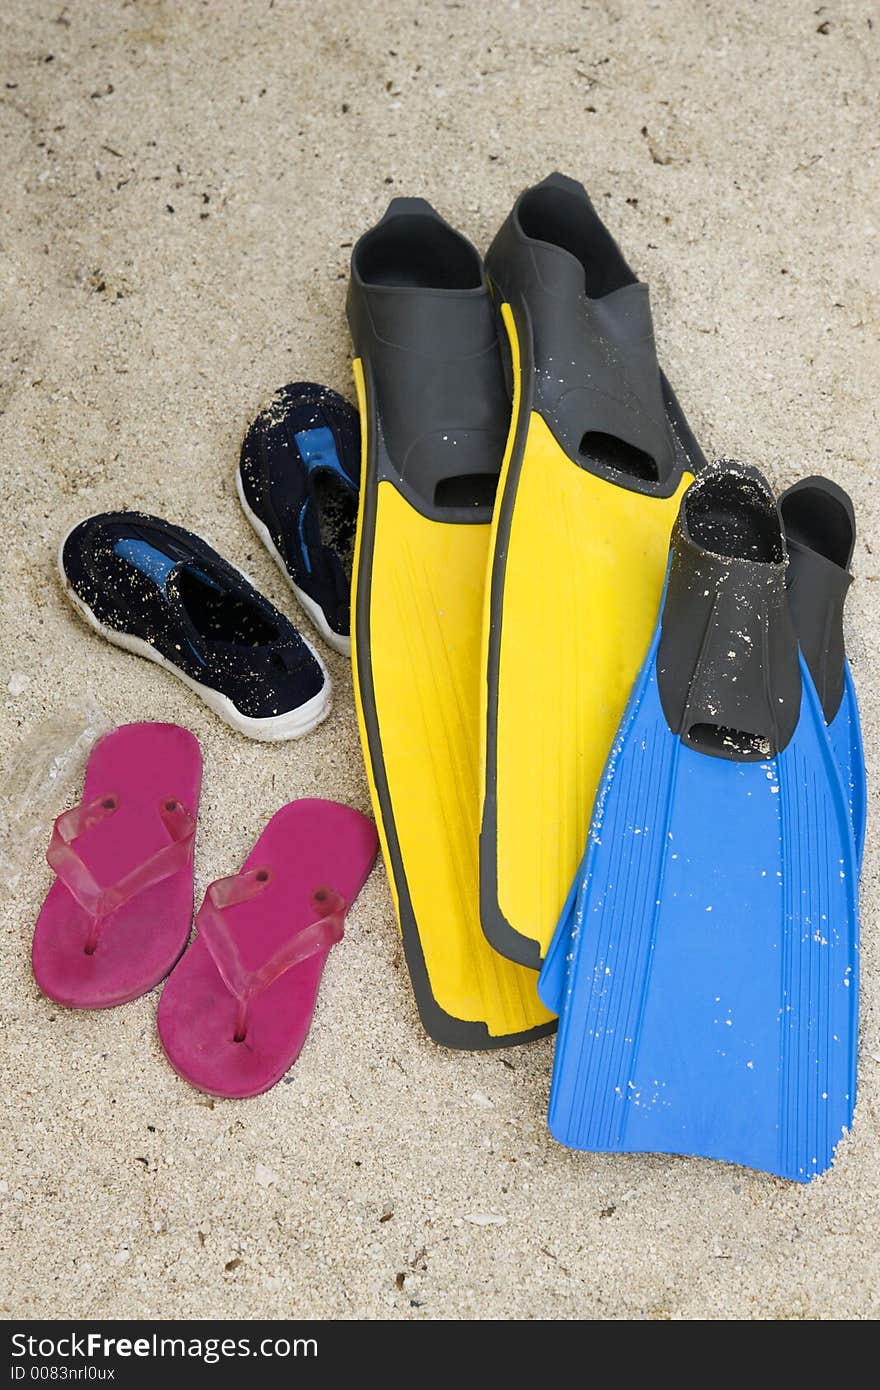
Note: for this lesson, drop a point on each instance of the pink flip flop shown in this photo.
(119, 912)
(235, 1014)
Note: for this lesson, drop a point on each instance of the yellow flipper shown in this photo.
(418, 604)
(575, 585)
(599, 457)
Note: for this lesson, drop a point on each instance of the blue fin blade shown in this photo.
(845, 734)
(711, 999)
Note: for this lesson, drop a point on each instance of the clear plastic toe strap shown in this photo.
(100, 901)
(244, 984)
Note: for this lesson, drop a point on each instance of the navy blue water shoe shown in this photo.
(157, 590)
(298, 484)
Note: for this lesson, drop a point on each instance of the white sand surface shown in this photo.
(179, 188)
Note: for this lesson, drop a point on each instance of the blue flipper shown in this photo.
(845, 734)
(819, 525)
(712, 991)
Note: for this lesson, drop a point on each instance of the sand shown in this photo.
(179, 188)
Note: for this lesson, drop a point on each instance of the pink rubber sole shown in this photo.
(307, 845)
(140, 765)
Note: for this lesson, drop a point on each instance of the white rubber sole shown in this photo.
(314, 611)
(276, 728)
